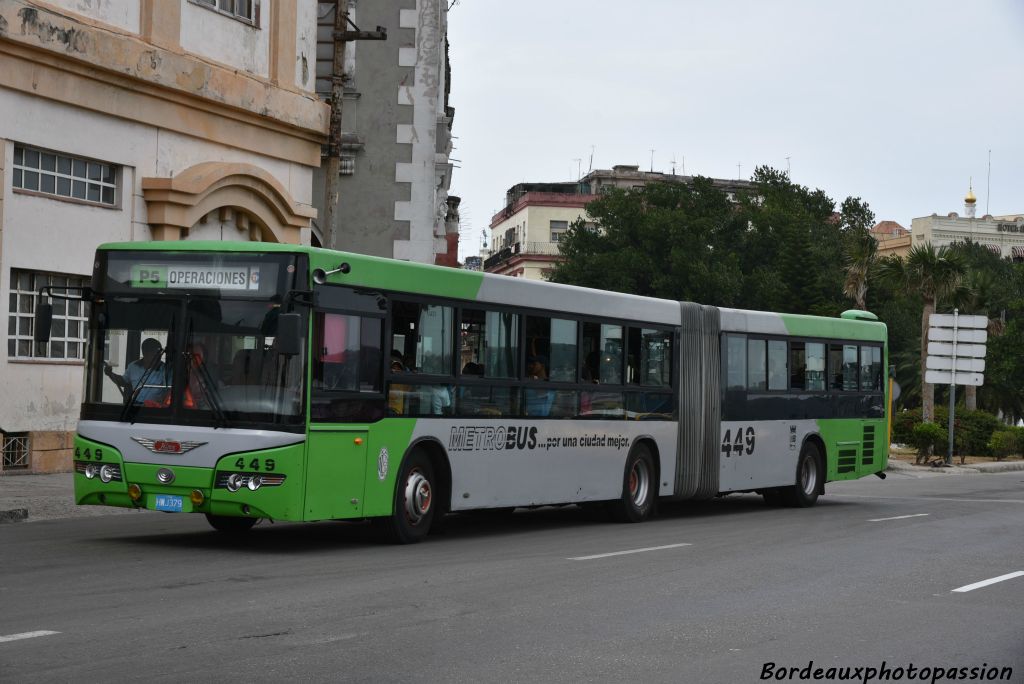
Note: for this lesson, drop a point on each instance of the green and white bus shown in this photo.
(251, 381)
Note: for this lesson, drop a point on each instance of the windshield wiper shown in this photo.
(206, 382)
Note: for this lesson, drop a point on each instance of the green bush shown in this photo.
(929, 438)
(972, 431)
(1004, 443)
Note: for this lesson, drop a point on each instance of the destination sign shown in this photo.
(195, 277)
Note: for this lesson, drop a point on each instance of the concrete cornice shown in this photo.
(124, 59)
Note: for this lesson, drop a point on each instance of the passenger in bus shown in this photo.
(149, 367)
(538, 401)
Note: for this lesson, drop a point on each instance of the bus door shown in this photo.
(346, 396)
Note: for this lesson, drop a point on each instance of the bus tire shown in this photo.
(415, 501)
(809, 474)
(229, 524)
(639, 487)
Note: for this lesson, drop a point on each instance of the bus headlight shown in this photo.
(106, 473)
(254, 482)
(90, 471)
(234, 482)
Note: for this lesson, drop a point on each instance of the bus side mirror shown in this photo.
(44, 317)
(289, 334)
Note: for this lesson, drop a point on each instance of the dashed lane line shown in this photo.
(27, 635)
(985, 583)
(900, 517)
(629, 551)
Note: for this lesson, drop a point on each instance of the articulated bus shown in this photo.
(250, 381)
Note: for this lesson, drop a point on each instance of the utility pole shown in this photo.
(332, 174)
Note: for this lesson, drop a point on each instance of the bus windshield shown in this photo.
(192, 354)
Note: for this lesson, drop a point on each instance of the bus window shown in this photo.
(602, 349)
(649, 361)
(736, 362)
(797, 366)
(815, 366)
(488, 401)
(490, 342)
(422, 336)
(777, 371)
(348, 353)
(757, 371)
(870, 369)
(848, 372)
(550, 349)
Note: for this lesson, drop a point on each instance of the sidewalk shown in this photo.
(50, 497)
(45, 497)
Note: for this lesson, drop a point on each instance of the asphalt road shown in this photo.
(723, 588)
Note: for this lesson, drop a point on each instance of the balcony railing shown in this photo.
(522, 249)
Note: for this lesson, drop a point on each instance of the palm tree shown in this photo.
(934, 274)
(861, 254)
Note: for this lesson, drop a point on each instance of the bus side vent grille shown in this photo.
(847, 461)
(868, 453)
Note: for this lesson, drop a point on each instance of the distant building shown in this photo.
(136, 120)
(473, 263)
(525, 234)
(1003, 235)
(396, 124)
(892, 238)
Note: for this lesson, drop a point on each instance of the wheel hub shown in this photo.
(418, 497)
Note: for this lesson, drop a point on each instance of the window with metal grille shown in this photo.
(16, 452)
(61, 175)
(67, 329)
(243, 10)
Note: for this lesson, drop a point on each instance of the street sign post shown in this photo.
(956, 356)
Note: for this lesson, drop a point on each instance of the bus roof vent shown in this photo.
(858, 315)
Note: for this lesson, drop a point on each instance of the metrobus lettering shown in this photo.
(490, 438)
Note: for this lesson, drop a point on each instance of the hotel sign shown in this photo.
(1010, 228)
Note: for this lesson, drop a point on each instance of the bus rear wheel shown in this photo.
(639, 487)
(809, 477)
(415, 502)
(227, 524)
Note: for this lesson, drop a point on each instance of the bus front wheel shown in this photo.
(227, 524)
(639, 487)
(809, 476)
(415, 502)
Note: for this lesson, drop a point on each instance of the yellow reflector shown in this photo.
(197, 497)
(134, 492)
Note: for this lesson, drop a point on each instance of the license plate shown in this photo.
(168, 502)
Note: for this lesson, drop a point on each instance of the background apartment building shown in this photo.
(396, 123)
(137, 120)
(525, 234)
(1003, 235)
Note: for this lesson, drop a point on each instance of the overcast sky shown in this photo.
(895, 102)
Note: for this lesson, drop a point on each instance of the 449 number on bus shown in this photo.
(254, 464)
(739, 443)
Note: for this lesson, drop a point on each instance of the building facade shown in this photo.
(525, 234)
(1003, 235)
(892, 238)
(396, 123)
(137, 120)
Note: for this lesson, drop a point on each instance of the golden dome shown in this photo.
(970, 198)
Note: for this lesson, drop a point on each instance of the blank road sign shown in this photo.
(964, 321)
(962, 335)
(964, 349)
(965, 364)
(939, 377)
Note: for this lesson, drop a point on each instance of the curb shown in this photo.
(13, 515)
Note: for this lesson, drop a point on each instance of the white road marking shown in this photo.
(899, 517)
(985, 583)
(924, 498)
(27, 635)
(623, 553)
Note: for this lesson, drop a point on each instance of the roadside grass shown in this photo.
(900, 452)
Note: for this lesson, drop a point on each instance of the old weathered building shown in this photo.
(137, 120)
(396, 123)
